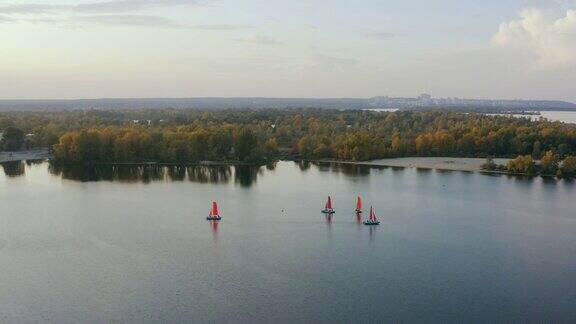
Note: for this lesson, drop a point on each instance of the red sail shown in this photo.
(372, 216)
(214, 211)
(359, 203)
(329, 203)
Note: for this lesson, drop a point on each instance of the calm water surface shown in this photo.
(133, 245)
(562, 116)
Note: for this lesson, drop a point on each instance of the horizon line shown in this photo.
(268, 97)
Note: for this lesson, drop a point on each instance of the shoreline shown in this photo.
(36, 154)
(167, 164)
(424, 163)
(433, 163)
(440, 164)
(437, 163)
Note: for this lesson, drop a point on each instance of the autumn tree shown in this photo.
(12, 139)
(568, 168)
(549, 163)
(523, 164)
(271, 147)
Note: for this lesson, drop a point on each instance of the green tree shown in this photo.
(245, 145)
(523, 164)
(537, 150)
(13, 139)
(5, 122)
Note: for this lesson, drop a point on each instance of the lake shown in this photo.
(561, 116)
(133, 245)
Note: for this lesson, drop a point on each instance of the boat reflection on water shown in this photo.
(14, 168)
(372, 233)
(329, 224)
(214, 225)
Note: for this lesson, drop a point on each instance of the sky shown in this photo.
(491, 49)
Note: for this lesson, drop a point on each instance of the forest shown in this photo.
(260, 135)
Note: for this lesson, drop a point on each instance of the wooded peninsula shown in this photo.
(184, 136)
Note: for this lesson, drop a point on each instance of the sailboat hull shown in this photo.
(328, 211)
(371, 223)
(213, 218)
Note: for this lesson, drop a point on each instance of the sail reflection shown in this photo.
(214, 225)
(372, 233)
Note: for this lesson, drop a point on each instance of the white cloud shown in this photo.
(551, 39)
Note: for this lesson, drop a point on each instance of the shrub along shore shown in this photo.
(550, 165)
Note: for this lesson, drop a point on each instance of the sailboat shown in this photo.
(359, 206)
(372, 220)
(214, 215)
(328, 208)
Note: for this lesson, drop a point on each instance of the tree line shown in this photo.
(173, 135)
(180, 145)
(550, 165)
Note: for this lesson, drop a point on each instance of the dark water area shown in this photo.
(131, 244)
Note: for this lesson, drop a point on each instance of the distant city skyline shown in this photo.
(63, 49)
(422, 101)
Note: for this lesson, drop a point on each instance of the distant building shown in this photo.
(427, 101)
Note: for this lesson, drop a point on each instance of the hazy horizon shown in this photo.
(125, 49)
(265, 97)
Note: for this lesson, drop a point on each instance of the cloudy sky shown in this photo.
(280, 48)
